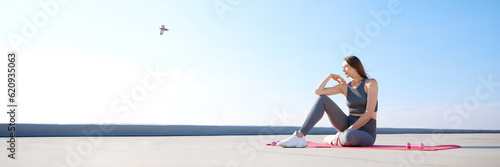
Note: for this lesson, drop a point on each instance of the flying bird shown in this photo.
(162, 29)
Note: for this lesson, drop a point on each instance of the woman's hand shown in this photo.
(338, 78)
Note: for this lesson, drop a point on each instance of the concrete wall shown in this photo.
(62, 130)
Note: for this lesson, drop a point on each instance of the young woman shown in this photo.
(357, 129)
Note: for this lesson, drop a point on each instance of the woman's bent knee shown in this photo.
(323, 97)
(351, 137)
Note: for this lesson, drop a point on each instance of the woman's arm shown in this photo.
(321, 90)
(372, 91)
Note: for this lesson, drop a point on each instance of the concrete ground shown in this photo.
(477, 150)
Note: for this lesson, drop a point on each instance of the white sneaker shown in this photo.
(332, 139)
(293, 141)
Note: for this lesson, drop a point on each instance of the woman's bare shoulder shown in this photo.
(371, 81)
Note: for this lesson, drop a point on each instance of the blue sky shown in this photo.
(252, 62)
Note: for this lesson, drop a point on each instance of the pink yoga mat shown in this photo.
(383, 147)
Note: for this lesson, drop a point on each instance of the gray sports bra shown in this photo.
(356, 98)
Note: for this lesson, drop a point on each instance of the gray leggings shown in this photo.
(364, 136)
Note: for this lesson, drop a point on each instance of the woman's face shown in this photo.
(348, 70)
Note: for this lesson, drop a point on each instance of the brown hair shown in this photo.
(355, 63)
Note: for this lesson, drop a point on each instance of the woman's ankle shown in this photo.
(300, 134)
